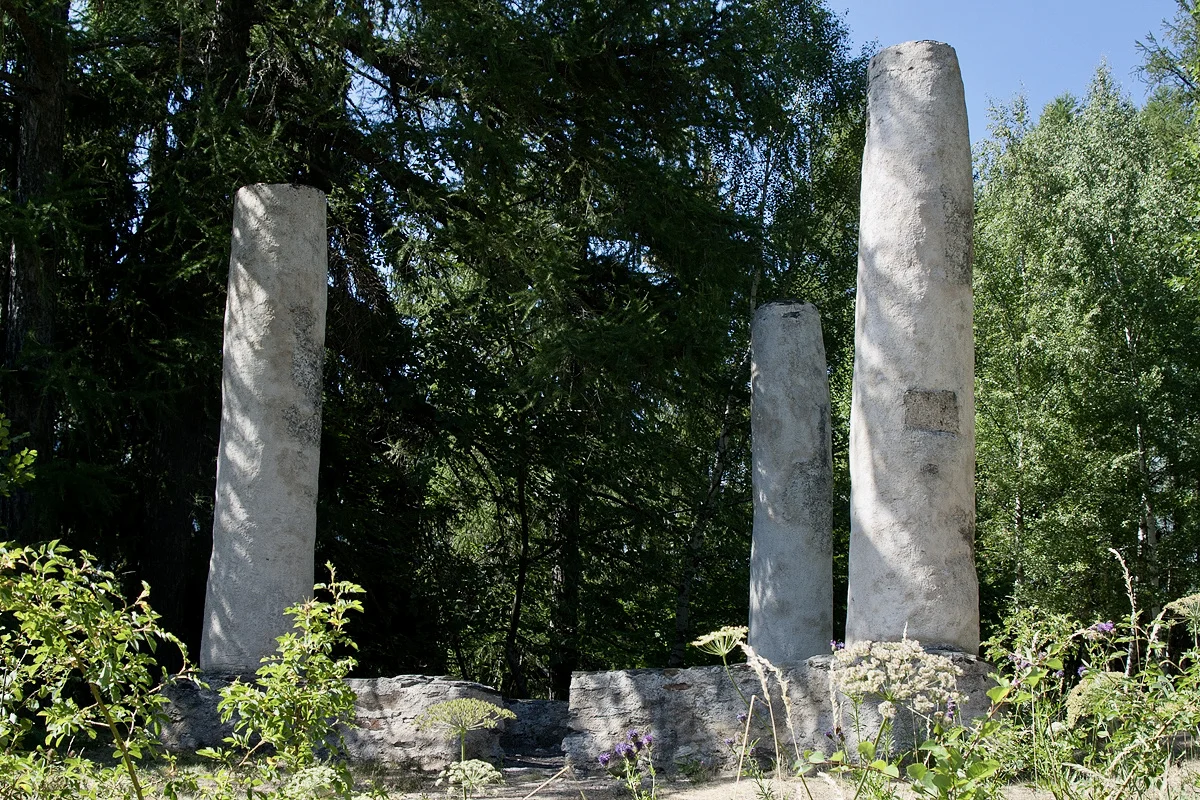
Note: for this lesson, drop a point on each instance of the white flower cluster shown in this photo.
(900, 673)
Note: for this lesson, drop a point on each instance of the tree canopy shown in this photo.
(1087, 349)
(549, 225)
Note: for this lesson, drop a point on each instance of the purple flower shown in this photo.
(951, 708)
(834, 644)
(632, 736)
(1082, 669)
(1058, 673)
(624, 750)
(829, 734)
(647, 740)
(742, 717)
(1104, 627)
(728, 742)
(605, 758)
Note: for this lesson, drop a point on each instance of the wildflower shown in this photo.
(1058, 673)
(1082, 669)
(624, 750)
(729, 741)
(1104, 627)
(722, 642)
(605, 758)
(829, 734)
(742, 717)
(835, 645)
(896, 674)
(647, 740)
(632, 736)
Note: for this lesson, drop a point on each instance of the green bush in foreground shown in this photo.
(76, 661)
(1101, 712)
(77, 667)
(293, 709)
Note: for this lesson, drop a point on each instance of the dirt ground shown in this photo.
(540, 784)
(520, 788)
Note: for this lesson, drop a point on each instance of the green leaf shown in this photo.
(998, 694)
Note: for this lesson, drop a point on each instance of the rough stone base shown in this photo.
(385, 709)
(693, 713)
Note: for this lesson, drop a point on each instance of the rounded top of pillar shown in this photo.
(925, 54)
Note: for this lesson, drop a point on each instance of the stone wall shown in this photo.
(386, 709)
(693, 713)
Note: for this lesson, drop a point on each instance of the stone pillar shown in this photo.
(912, 420)
(264, 525)
(791, 558)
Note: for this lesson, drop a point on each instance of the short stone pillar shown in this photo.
(912, 420)
(791, 557)
(264, 525)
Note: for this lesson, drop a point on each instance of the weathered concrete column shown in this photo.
(912, 421)
(791, 558)
(264, 525)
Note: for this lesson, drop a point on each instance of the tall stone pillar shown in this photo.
(791, 557)
(912, 421)
(264, 525)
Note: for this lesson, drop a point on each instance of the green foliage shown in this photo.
(66, 634)
(1113, 733)
(78, 666)
(549, 226)
(300, 695)
(1086, 354)
(956, 766)
(17, 468)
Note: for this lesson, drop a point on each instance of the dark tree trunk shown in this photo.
(564, 611)
(34, 253)
(695, 541)
(235, 19)
(514, 682)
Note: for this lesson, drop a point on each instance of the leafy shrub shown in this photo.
(1112, 726)
(76, 659)
(77, 662)
(298, 699)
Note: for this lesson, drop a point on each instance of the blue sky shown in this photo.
(1046, 48)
